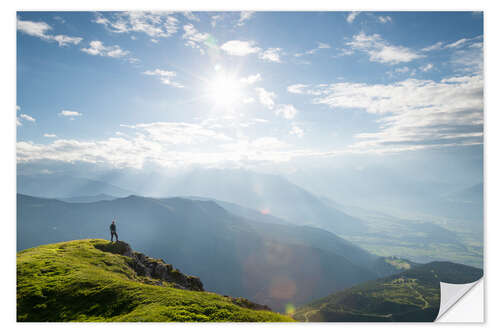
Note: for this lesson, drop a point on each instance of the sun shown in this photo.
(225, 90)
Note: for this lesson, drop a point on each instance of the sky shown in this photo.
(280, 91)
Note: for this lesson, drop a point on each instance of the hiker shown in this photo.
(112, 227)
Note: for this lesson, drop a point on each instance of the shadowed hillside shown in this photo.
(412, 295)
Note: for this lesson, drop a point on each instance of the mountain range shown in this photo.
(273, 264)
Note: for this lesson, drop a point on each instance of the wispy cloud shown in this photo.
(27, 117)
(320, 46)
(297, 131)
(384, 19)
(457, 44)
(153, 24)
(240, 48)
(48, 135)
(165, 77)
(42, 29)
(195, 39)
(97, 48)
(271, 54)
(287, 111)
(251, 79)
(244, 16)
(433, 47)
(266, 98)
(352, 16)
(413, 112)
(381, 51)
(191, 16)
(69, 113)
(426, 68)
(214, 19)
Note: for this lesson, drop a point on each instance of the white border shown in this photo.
(7, 121)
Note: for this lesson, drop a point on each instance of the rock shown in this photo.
(153, 268)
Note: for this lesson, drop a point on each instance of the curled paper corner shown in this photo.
(451, 294)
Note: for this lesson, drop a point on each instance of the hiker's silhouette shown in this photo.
(112, 228)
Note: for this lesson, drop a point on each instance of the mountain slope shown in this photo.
(232, 255)
(64, 186)
(84, 280)
(271, 194)
(89, 198)
(413, 295)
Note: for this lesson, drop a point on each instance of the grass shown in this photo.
(75, 281)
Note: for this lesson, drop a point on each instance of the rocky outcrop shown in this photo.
(157, 269)
(153, 268)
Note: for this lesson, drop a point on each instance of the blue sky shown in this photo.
(261, 90)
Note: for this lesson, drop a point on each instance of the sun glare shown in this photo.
(225, 90)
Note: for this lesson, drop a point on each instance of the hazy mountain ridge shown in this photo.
(232, 255)
(64, 186)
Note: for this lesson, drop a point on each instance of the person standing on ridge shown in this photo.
(112, 228)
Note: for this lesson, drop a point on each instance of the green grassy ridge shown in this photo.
(412, 295)
(75, 281)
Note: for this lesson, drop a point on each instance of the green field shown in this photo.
(75, 281)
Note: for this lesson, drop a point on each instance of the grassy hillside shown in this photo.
(76, 281)
(413, 295)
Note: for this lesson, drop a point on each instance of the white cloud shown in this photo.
(251, 79)
(296, 130)
(414, 114)
(266, 97)
(352, 16)
(165, 77)
(323, 45)
(433, 47)
(384, 19)
(41, 29)
(27, 117)
(18, 122)
(320, 46)
(467, 60)
(178, 133)
(153, 24)
(36, 29)
(98, 48)
(240, 48)
(457, 44)
(478, 45)
(380, 50)
(191, 16)
(47, 135)
(194, 38)
(18, 108)
(64, 40)
(287, 111)
(426, 68)
(69, 113)
(271, 54)
(297, 88)
(244, 16)
(214, 19)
